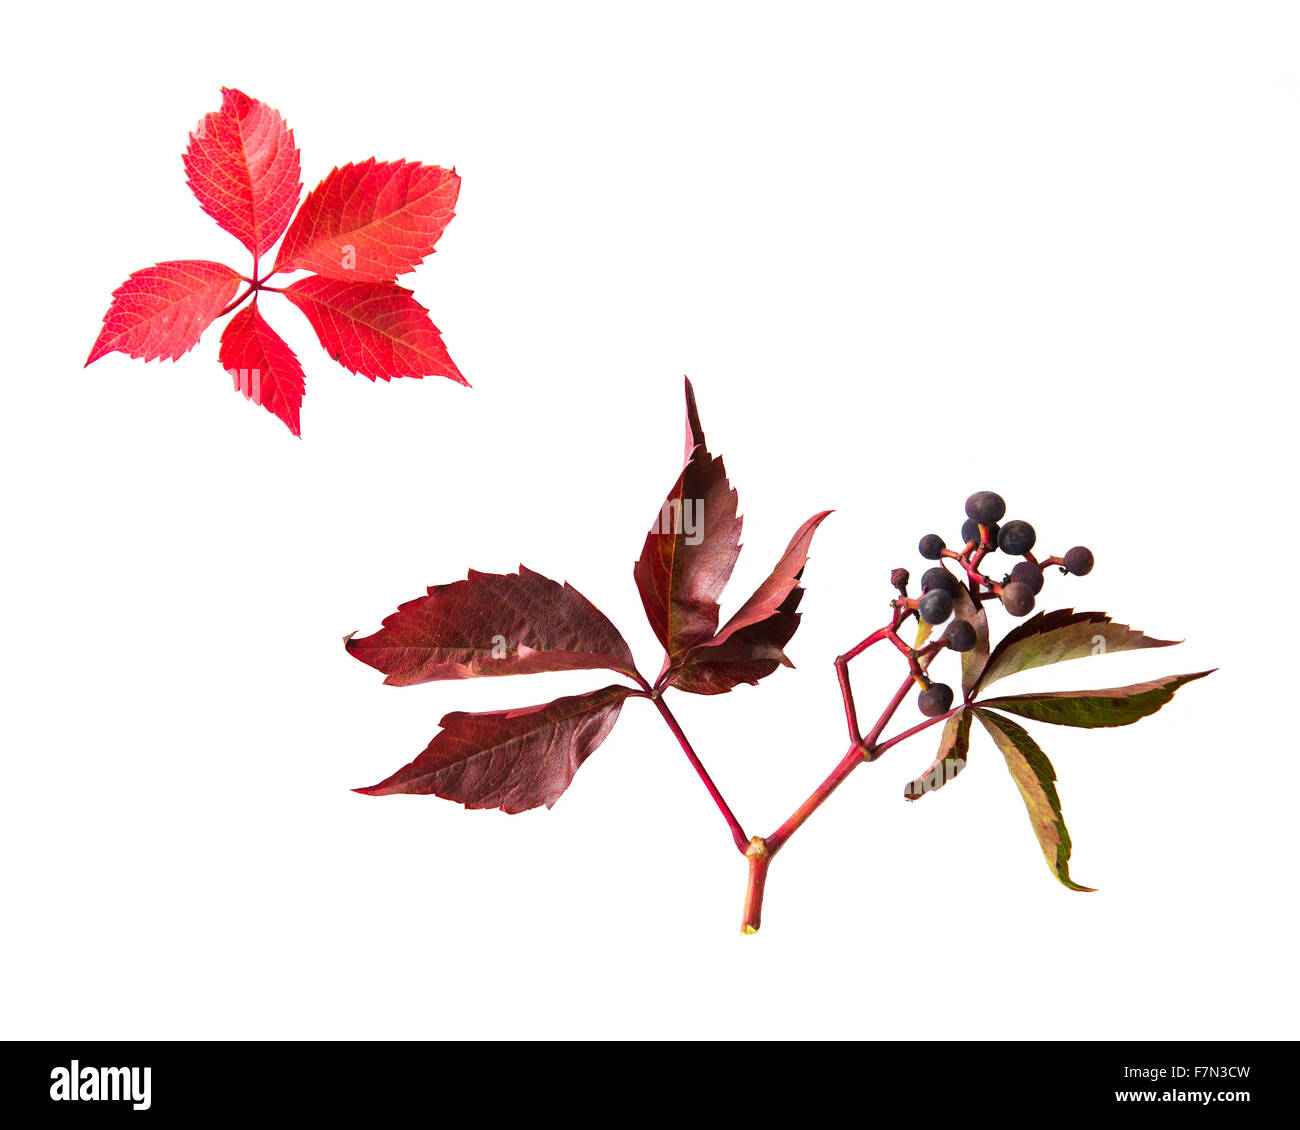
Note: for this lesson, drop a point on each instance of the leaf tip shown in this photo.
(97, 351)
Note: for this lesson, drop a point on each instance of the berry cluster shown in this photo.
(983, 532)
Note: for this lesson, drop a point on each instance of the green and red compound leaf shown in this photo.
(513, 760)
(262, 365)
(375, 329)
(493, 624)
(691, 548)
(974, 660)
(371, 222)
(1054, 637)
(1112, 706)
(243, 167)
(954, 746)
(1035, 778)
(162, 311)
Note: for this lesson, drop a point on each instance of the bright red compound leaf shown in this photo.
(359, 229)
(163, 310)
(371, 222)
(375, 329)
(262, 366)
(513, 760)
(243, 167)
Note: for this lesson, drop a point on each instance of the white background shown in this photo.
(905, 252)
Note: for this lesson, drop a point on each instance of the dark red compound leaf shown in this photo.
(262, 366)
(243, 167)
(691, 549)
(162, 311)
(493, 624)
(772, 593)
(749, 647)
(375, 329)
(371, 222)
(745, 656)
(513, 760)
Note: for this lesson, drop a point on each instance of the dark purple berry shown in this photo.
(1017, 598)
(960, 635)
(936, 699)
(935, 606)
(931, 547)
(985, 507)
(970, 532)
(1079, 560)
(1027, 573)
(1016, 537)
(940, 578)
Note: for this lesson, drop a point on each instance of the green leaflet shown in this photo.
(1053, 637)
(1034, 777)
(954, 744)
(973, 661)
(1113, 706)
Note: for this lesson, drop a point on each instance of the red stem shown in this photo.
(842, 672)
(737, 832)
(761, 851)
(883, 747)
(850, 708)
(850, 761)
(238, 302)
(759, 860)
(859, 752)
(254, 285)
